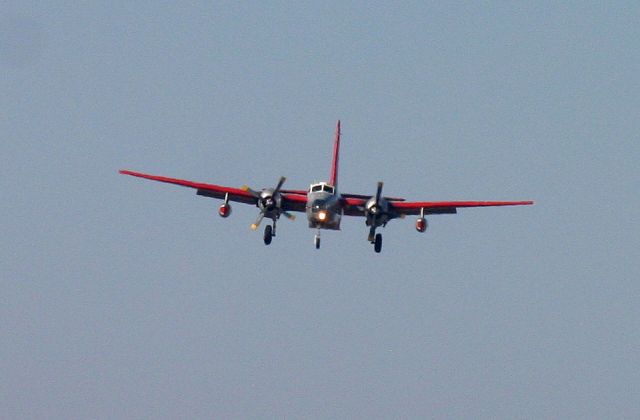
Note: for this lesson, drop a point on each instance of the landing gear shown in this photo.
(268, 234)
(375, 239)
(316, 240)
(377, 244)
(372, 233)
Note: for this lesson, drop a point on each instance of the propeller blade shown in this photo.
(379, 192)
(250, 191)
(280, 182)
(255, 225)
(289, 215)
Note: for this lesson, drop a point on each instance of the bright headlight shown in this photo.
(322, 215)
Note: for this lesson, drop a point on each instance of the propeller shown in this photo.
(255, 224)
(269, 200)
(378, 194)
(280, 182)
(373, 205)
(374, 209)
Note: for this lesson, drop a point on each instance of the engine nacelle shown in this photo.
(224, 210)
(376, 213)
(421, 224)
(268, 200)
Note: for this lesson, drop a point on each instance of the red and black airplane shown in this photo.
(323, 205)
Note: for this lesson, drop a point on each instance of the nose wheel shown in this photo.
(316, 241)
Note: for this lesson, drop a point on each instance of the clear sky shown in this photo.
(124, 298)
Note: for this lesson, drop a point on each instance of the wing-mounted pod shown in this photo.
(421, 222)
(225, 208)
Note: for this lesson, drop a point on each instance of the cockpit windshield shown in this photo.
(322, 187)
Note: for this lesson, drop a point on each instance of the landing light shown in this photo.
(322, 215)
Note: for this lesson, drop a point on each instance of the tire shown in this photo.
(377, 245)
(317, 242)
(268, 234)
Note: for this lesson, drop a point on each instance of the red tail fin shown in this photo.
(333, 177)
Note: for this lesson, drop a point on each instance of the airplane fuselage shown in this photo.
(324, 207)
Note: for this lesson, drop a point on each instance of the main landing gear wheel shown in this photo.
(377, 245)
(316, 241)
(268, 234)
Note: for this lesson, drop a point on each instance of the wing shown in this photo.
(353, 206)
(207, 190)
(291, 202)
(294, 202)
(366, 197)
(447, 207)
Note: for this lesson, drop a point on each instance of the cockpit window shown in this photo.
(322, 187)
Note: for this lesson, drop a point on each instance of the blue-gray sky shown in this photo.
(123, 298)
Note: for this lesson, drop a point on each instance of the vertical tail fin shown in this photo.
(333, 177)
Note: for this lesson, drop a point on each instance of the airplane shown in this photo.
(323, 205)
